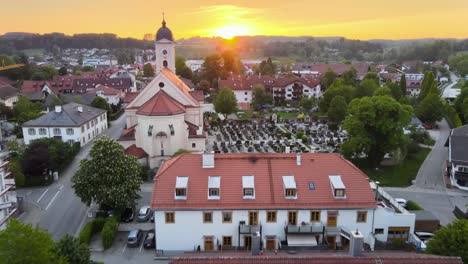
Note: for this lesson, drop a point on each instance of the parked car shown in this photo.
(134, 238)
(150, 240)
(144, 214)
(401, 201)
(104, 213)
(128, 215)
(424, 236)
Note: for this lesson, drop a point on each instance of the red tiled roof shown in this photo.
(179, 84)
(107, 90)
(317, 258)
(130, 96)
(198, 95)
(128, 134)
(248, 82)
(133, 150)
(161, 104)
(6, 81)
(268, 170)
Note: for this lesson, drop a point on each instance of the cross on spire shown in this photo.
(164, 20)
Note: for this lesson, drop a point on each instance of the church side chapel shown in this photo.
(167, 115)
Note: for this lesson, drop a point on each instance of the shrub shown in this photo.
(288, 135)
(85, 234)
(304, 139)
(98, 224)
(413, 148)
(108, 232)
(413, 206)
(299, 134)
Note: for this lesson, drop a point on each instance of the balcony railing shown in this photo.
(249, 229)
(305, 229)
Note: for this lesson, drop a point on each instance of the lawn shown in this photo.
(400, 175)
(459, 84)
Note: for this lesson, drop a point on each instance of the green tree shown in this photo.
(307, 103)
(375, 127)
(451, 240)
(204, 85)
(403, 84)
(459, 62)
(21, 243)
(337, 109)
(62, 71)
(26, 110)
(148, 70)
(225, 101)
(328, 78)
(366, 88)
(78, 100)
(55, 101)
(231, 63)
(458, 104)
(260, 97)
(349, 77)
(337, 88)
(182, 69)
(72, 250)
(429, 85)
(382, 91)
(109, 177)
(212, 68)
(88, 68)
(266, 67)
(431, 109)
(372, 76)
(101, 103)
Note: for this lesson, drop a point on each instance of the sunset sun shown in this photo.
(231, 31)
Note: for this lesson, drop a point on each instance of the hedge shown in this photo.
(108, 232)
(413, 206)
(90, 229)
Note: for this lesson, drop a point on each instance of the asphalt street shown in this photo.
(56, 207)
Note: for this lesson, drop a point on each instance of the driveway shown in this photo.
(56, 207)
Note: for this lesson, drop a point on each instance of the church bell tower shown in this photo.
(165, 48)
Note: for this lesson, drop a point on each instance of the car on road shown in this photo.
(134, 238)
(128, 215)
(424, 236)
(401, 201)
(150, 240)
(144, 214)
(104, 213)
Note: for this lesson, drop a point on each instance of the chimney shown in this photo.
(298, 159)
(208, 160)
(80, 109)
(58, 109)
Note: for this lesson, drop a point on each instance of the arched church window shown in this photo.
(161, 85)
(171, 128)
(165, 63)
(150, 130)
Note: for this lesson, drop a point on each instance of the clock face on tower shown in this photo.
(164, 52)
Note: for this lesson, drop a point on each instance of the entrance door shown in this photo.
(248, 242)
(271, 244)
(208, 244)
(331, 218)
(331, 241)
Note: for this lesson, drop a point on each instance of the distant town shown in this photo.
(242, 150)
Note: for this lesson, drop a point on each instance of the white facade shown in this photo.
(7, 192)
(9, 102)
(243, 96)
(453, 181)
(194, 65)
(114, 99)
(165, 55)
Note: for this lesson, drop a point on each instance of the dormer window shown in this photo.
(181, 188)
(338, 187)
(248, 187)
(214, 183)
(289, 184)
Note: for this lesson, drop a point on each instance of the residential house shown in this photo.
(8, 200)
(457, 166)
(8, 95)
(223, 201)
(70, 123)
(111, 95)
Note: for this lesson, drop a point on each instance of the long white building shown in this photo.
(224, 201)
(70, 123)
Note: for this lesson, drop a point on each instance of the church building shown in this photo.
(167, 115)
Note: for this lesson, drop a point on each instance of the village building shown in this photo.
(457, 166)
(8, 95)
(228, 201)
(166, 115)
(8, 200)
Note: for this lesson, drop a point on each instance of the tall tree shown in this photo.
(260, 97)
(366, 88)
(375, 127)
(337, 88)
(26, 110)
(109, 177)
(231, 63)
(212, 68)
(337, 109)
(349, 77)
(307, 103)
(328, 78)
(204, 85)
(182, 69)
(21, 243)
(431, 109)
(403, 84)
(451, 240)
(62, 71)
(72, 250)
(148, 70)
(225, 101)
(266, 67)
(101, 103)
(429, 85)
(372, 76)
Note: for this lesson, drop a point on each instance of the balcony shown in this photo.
(305, 229)
(249, 229)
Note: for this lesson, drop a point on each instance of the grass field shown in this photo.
(286, 115)
(459, 84)
(400, 175)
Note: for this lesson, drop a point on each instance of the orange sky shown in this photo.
(357, 19)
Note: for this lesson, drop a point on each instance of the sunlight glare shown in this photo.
(228, 32)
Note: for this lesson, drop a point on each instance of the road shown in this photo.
(56, 207)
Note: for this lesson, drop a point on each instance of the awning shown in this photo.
(302, 241)
(181, 182)
(214, 182)
(248, 182)
(289, 182)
